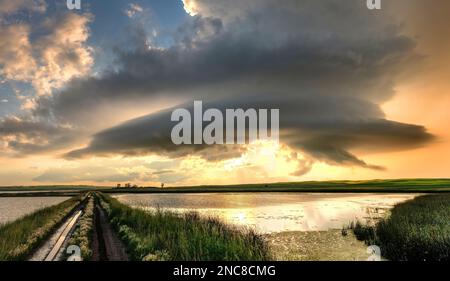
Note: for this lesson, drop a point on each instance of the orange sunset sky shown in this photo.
(366, 94)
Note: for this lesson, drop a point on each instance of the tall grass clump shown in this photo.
(82, 236)
(416, 230)
(19, 238)
(163, 235)
(363, 232)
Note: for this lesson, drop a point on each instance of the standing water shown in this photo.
(12, 208)
(275, 212)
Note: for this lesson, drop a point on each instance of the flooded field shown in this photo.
(12, 208)
(275, 212)
(297, 226)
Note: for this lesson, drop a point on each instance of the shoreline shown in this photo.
(437, 185)
(327, 245)
(50, 193)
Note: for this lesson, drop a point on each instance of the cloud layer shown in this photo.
(327, 74)
(50, 59)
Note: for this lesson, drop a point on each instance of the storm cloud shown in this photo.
(327, 65)
(266, 49)
(316, 126)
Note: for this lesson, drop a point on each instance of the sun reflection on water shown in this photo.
(275, 212)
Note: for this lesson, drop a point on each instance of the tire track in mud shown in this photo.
(51, 249)
(106, 244)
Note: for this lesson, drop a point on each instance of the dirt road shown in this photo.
(106, 244)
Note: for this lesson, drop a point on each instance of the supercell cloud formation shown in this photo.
(327, 65)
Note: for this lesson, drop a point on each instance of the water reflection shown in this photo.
(12, 208)
(275, 212)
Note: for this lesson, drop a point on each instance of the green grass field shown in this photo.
(182, 237)
(390, 185)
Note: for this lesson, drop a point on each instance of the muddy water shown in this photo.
(12, 208)
(276, 212)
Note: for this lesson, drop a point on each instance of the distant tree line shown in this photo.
(129, 185)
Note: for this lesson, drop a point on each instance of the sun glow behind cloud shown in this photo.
(190, 7)
(329, 123)
(262, 161)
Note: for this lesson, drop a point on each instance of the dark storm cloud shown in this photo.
(321, 129)
(12, 125)
(325, 64)
(32, 136)
(269, 49)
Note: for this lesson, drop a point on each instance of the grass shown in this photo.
(389, 186)
(19, 238)
(82, 236)
(364, 232)
(164, 235)
(416, 230)
(386, 185)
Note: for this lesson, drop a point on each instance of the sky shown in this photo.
(86, 95)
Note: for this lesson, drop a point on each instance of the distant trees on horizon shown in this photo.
(129, 185)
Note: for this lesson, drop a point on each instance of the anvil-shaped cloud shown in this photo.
(327, 74)
(314, 125)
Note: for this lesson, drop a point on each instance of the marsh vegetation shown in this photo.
(82, 235)
(164, 235)
(416, 230)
